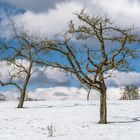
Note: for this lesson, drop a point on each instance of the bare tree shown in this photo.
(21, 57)
(88, 89)
(92, 50)
(88, 94)
(130, 92)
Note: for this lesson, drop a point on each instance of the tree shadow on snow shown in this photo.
(129, 120)
(60, 106)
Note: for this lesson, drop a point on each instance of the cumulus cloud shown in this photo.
(57, 77)
(7, 10)
(47, 77)
(12, 94)
(7, 69)
(55, 93)
(124, 12)
(63, 93)
(35, 5)
(58, 93)
(50, 77)
(53, 22)
(123, 78)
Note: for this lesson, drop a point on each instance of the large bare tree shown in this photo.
(21, 54)
(92, 51)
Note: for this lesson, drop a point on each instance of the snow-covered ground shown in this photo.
(72, 120)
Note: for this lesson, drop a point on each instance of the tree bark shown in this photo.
(88, 94)
(103, 107)
(21, 99)
(23, 92)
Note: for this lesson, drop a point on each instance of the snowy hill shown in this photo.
(70, 120)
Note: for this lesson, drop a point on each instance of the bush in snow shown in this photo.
(130, 92)
(51, 130)
(2, 97)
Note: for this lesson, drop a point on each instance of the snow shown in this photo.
(72, 120)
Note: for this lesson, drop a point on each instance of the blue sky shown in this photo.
(52, 16)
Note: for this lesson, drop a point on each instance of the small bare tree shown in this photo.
(130, 92)
(92, 50)
(88, 89)
(22, 57)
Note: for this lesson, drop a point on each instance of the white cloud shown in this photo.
(55, 74)
(11, 94)
(124, 78)
(4, 30)
(72, 93)
(56, 77)
(64, 93)
(58, 93)
(53, 22)
(113, 93)
(7, 69)
(49, 76)
(123, 12)
(35, 5)
(55, 93)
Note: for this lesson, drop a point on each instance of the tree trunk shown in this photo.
(23, 92)
(88, 94)
(21, 99)
(103, 107)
